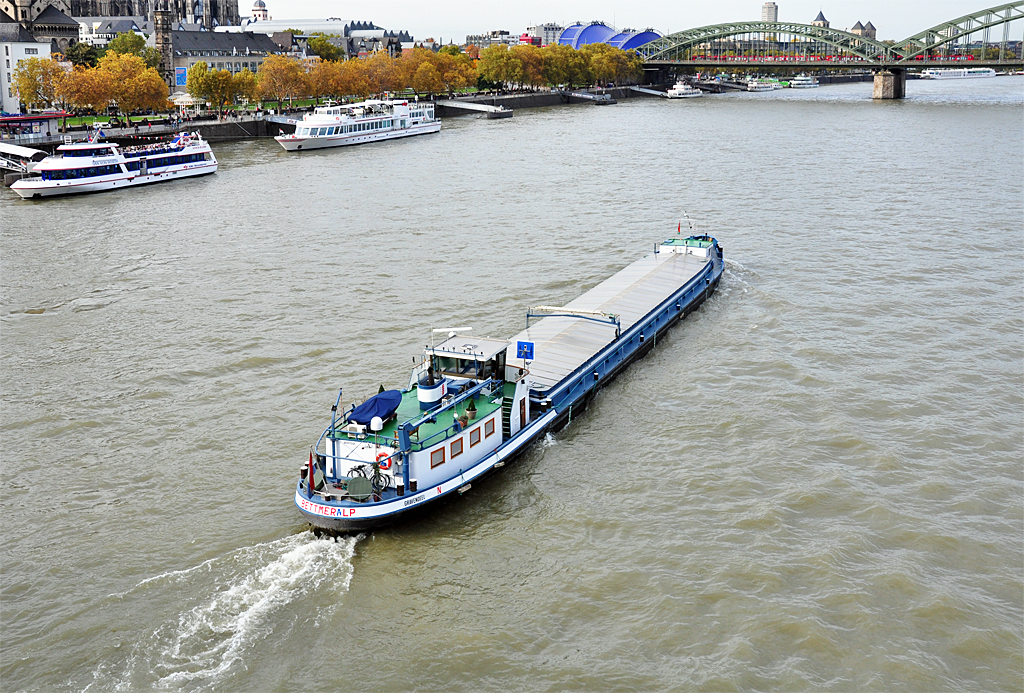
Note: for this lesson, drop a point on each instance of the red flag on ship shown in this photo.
(680, 229)
(310, 473)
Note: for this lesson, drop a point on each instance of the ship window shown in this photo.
(474, 436)
(456, 448)
(437, 457)
(489, 428)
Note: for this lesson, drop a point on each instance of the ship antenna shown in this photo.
(689, 222)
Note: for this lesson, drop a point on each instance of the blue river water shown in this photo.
(815, 482)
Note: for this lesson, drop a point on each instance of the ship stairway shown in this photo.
(506, 417)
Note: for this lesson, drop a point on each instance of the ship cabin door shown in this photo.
(522, 412)
(143, 166)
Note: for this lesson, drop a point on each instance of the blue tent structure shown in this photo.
(579, 35)
(628, 40)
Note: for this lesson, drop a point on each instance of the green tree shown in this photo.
(245, 86)
(451, 49)
(321, 44)
(197, 81)
(130, 43)
(222, 88)
(81, 53)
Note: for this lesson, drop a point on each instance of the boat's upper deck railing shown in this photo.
(556, 312)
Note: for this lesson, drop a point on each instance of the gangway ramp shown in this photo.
(491, 111)
(645, 90)
(19, 159)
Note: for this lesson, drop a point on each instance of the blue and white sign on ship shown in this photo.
(474, 403)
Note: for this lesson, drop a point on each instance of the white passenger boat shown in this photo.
(475, 403)
(754, 84)
(358, 123)
(96, 166)
(958, 73)
(683, 90)
(803, 82)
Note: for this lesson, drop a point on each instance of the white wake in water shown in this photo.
(209, 638)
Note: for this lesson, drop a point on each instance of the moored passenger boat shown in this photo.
(683, 90)
(958, 73)
(754, 84)
(359, 123)
(97, 166)
(474, 403)
(803, 82)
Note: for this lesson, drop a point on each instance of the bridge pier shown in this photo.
(890, 84)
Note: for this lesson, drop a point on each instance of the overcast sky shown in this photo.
(454, 19)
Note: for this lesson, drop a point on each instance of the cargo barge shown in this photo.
(472, 404)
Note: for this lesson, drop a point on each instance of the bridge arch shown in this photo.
(942, 35)
(680, 46)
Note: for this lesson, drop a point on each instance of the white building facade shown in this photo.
(16, 45)
(547, 33)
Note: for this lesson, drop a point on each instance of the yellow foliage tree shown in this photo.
(133, 85)
(532, 59)
(382, 73)
(457, 71)
(322, 79)
(427, 79)
(500, 65)
(280, 77)
(353, 79)
(85, 87)
(38, 82)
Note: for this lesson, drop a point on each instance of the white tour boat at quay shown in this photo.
(683, 90)
(359, 123)
(958, 73)
(474, 403)
(754, 84)
(803, 82)
(96, 166)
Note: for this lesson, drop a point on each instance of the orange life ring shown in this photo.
(386, 464)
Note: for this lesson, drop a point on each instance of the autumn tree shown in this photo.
(382, 73)
(457, 71)
(473, 51)
(322, 79)
(427, 79)
(85, 88)
(609, 64)
(353, 79)
(130, 43)
(532, 60)
(564, 65)
(133, 85)
(280, 77)
(499, 65)
(38, 81)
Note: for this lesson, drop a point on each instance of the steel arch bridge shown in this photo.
(931, 45)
